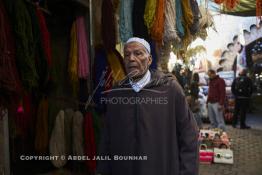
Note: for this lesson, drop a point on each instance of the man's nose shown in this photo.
(132, 57)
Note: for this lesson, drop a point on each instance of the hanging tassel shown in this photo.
(23, 117)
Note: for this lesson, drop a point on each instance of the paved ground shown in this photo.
(247, 147)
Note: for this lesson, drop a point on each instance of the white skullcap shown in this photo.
(141, 41)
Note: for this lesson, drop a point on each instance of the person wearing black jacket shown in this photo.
(143, 135)
(242, 89)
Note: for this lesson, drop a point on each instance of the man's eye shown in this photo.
(138, 53)
(126, 54)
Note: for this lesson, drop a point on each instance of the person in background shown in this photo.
(193, 102)
(148, 116)
(215, 100)
(242, 89)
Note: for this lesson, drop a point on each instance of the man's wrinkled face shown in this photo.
(136, 59)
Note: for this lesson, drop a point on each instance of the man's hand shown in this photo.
(220, 107)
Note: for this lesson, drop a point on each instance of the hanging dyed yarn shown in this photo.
(25, 53)
(41, 135)
(231, 4)
(115, 61)
(57, 141)
(194, 28)
(82, 46)
(179, 18)
(170, 33)
(149, 14)
(90, 145)
(73, 59)
(157, 29)
(39, 53)
(9, 79)
(45, 36)
(187, 20)
(125, 24)
(219, 1)
(259, 9)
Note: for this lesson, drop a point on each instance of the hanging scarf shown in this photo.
(73, 61)
(45, 36)
(82, 46)
(90, 146)
(157, 29)
(22, 27)
(139, 27)
(170, 33)
(9, 79)
(115, 61)
(41, 135)
(179, 18)
(77, 133)
(149, 15)
(125, 26)
(109, 22)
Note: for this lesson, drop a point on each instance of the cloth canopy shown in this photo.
(244, 8)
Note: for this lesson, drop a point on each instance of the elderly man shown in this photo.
(149, 129)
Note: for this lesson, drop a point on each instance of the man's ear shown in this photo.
(149, 60)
